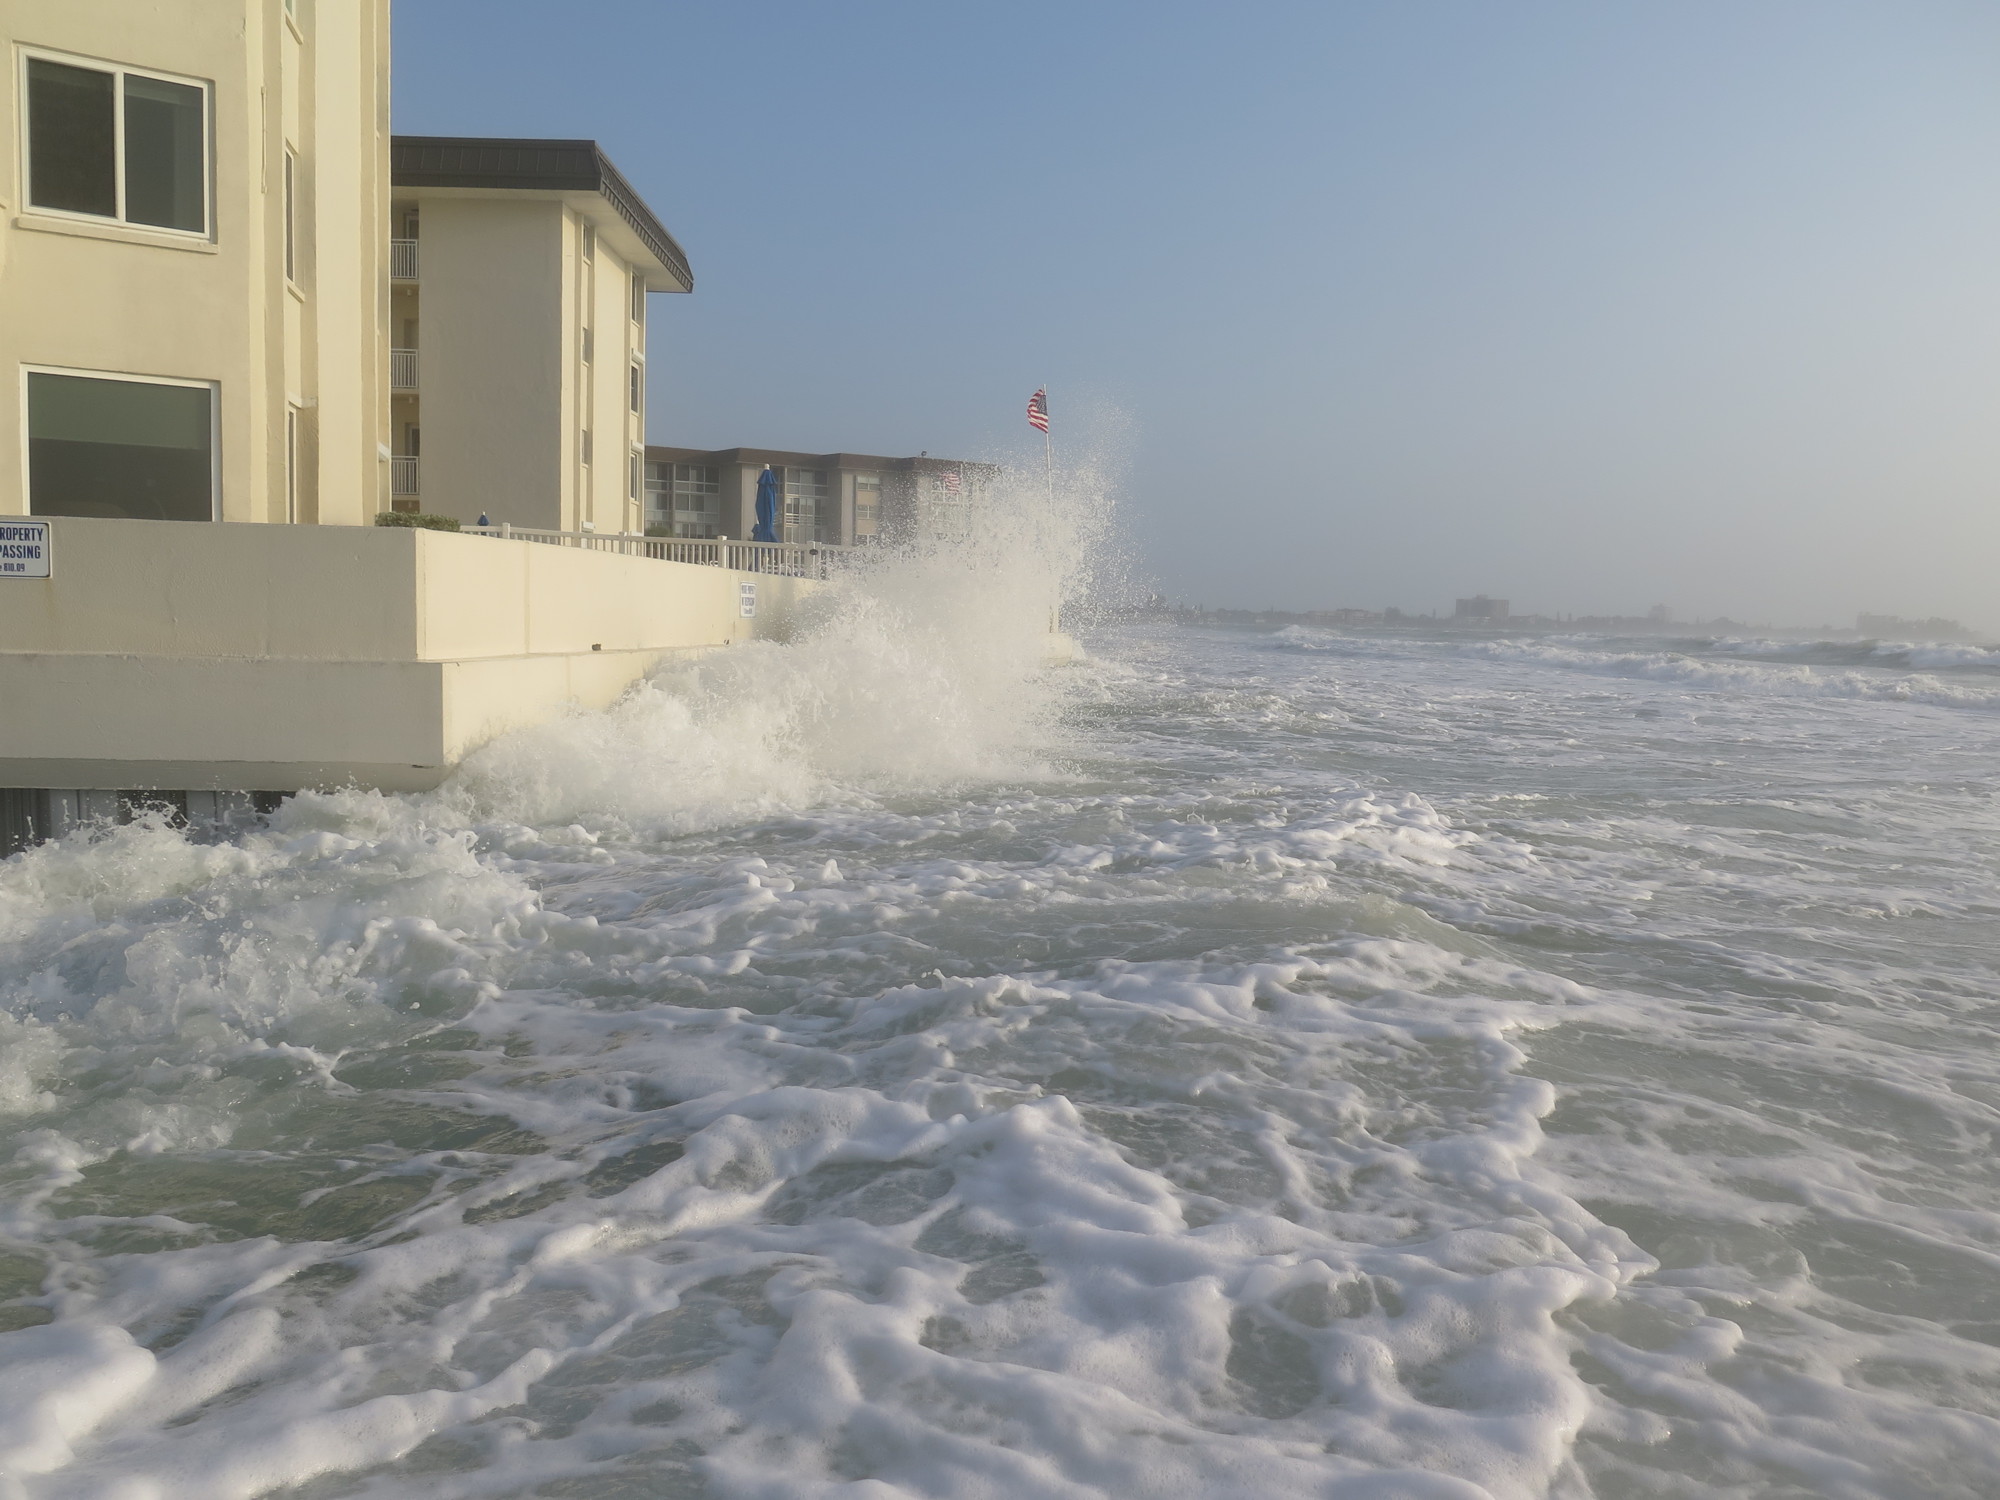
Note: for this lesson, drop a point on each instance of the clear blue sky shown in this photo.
(1588, 305)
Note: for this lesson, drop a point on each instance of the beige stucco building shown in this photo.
(221, 304)
(227, 294)
(521, 272)
(193, 242)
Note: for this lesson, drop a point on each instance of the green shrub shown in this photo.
(659, 531)
(416, 518)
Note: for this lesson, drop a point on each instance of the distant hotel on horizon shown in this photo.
(830, 499)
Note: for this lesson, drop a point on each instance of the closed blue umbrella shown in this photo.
(766, 529)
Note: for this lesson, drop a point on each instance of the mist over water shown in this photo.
(883, 1064)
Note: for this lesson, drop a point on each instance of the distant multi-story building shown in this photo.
(1479, 607)
(519, 276)
(835, 499)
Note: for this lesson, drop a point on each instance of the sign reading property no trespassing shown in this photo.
(24, 549)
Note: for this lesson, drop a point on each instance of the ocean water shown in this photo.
(883, 1065)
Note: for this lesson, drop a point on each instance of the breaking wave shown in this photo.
(1724, 672)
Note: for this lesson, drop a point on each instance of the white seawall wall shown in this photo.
(172, 655)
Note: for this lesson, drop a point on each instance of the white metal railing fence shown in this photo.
(402, 260)
(402, 369)
(403, 476)
(788, 559)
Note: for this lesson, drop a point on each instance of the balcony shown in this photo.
(402, 369)
(403, 476)
(402, 260)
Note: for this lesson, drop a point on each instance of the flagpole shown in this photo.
(1049, 475)
(1048, 451)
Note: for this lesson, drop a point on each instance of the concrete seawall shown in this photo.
(181, 657)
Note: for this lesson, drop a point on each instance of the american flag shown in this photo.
(1038, 409)
(951, 481)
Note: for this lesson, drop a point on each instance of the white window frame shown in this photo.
(213, 387)
(794, 492)
(118, 70)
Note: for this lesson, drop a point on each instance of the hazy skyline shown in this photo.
(1366, 303)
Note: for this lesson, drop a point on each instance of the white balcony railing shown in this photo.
(403, 476)
(402, 369)
(402, 260)
(789, 559)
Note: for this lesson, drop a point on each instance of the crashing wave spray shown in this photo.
(922, 665)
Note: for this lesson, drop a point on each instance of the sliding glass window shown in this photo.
(138, 449)
(115, 144)
(697, 499)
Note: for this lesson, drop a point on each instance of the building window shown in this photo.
(805, 505)
(639, 300)
(659, 518)
(689, 499)
(589, 345)
(585, 445)
(633, 466)
(590, 242)
(638, 383)
(292, 464)
(943, 509)
(141, 449)
(867, 507)
(291, 215)
(116, 144)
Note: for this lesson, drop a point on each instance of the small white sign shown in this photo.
(746, 600)
(24, 549)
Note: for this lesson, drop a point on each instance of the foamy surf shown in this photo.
(881, 1066)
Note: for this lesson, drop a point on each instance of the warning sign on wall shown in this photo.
(24, 549)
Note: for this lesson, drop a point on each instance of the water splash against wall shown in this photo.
(922, 665)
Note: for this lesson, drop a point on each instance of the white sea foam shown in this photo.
(1939, 654)
(1945, 654)
(1305, 638)
(877, 1066)
(1799, 679)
